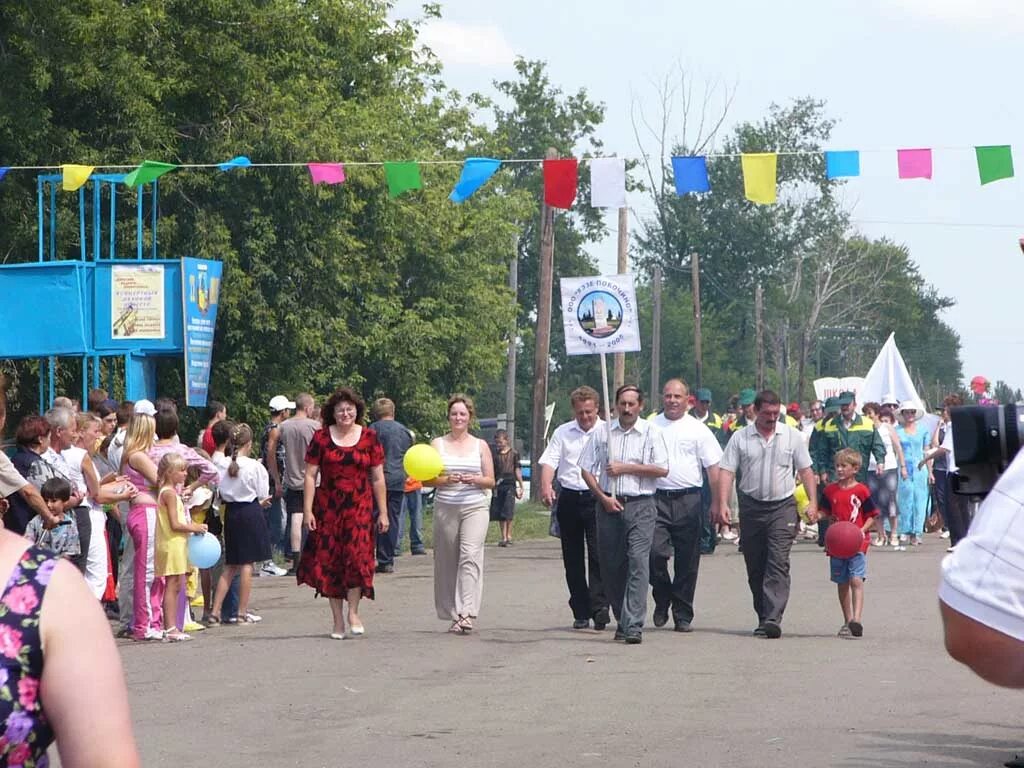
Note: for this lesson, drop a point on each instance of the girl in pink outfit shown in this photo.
(148, 588)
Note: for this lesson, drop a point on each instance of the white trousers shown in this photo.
(459, 533)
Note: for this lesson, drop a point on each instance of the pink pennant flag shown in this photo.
(326, 173)
(914, 163)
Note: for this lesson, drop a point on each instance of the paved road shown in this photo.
(526, 690)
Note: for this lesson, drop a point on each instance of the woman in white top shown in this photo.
(884, 483)
(244, 490)
(461, 517)
(85, 476)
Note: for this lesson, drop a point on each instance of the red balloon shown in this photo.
(844, 539)
(979, 384)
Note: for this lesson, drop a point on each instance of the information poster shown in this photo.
(599, 315)
(201, 279)
(137, 301)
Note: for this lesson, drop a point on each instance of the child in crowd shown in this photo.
(846, 499)
(173, 527)
(61, 535)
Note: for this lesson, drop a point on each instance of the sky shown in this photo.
(894, 74)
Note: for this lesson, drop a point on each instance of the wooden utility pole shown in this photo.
(656, 336)
(759, 337)
(698, 349)
(513, 347)
(620, 357)
(785, 360)
(542, 350)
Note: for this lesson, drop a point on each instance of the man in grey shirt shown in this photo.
(764, 457)
(296, 434)
(396, 439)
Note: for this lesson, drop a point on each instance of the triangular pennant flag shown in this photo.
(475, 173)
(147, 172)
(759, 175)
(608, 182)
(3, 171)
(914, 163)
(402, 177)
(75, 176)
(560, 182)
(691, 174)
(994, 163)
(235, 162)
(840, 164)
(326, 173)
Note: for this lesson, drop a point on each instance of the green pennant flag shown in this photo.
(147, 172)
(402, 177)
(994, 163)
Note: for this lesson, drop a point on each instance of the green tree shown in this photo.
(323, 286)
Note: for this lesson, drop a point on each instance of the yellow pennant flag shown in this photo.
(75, 176)
(759, 174)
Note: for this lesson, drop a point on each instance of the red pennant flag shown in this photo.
(560, 182)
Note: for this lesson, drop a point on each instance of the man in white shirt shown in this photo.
(692, 448)
(621, 466)
(574, 509)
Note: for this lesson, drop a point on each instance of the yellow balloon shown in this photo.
(802, 502)
(423, 462)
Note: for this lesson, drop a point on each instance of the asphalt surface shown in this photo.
(527, 690)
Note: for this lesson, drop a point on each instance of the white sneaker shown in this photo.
(729, 536)
(950, 549)
(945, 534)
(903, 538)
(272, 569)
(844, 631)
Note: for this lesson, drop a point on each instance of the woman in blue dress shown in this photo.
(912, 496)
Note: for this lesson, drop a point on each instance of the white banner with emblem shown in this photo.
(599, 315)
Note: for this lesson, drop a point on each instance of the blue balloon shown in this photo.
(203, 550)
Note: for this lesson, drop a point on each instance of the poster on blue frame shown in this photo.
(200, 293)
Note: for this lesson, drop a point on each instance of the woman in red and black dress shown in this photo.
(338, 558)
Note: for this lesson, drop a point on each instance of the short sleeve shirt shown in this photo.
(983, 578)
(691, 447)
(11, 480)
(642, 443)
(765, 468)
(853, 504)
(563, 453)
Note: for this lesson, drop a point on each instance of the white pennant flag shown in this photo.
(608, 182)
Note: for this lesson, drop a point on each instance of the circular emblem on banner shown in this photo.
(599, 314)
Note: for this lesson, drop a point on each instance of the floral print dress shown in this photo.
(340, 554)
(27, 733)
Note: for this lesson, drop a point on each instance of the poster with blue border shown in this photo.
(200, 294)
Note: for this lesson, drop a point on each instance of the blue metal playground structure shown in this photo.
(59, 308)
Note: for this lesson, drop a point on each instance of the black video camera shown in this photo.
(985, 440)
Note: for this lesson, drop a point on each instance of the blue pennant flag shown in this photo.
(691, 174)
(236, 162)
(475, 173)
(3, 172)
(840, 164)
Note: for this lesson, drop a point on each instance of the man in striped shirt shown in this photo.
(621, 466)
(764, 457)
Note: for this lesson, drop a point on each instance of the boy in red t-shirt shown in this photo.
(846, 499)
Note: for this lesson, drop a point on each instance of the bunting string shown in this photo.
(608, 174)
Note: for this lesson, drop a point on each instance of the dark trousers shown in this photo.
(114, 534)
(387, 543)
(624, 539)
(84, 536)
(767, 530)
(578, 525)
(708, 534)
(678, 528)
(956, 510)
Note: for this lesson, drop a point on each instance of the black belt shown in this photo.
(574, 492)
(675, 493)
(625, 499)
